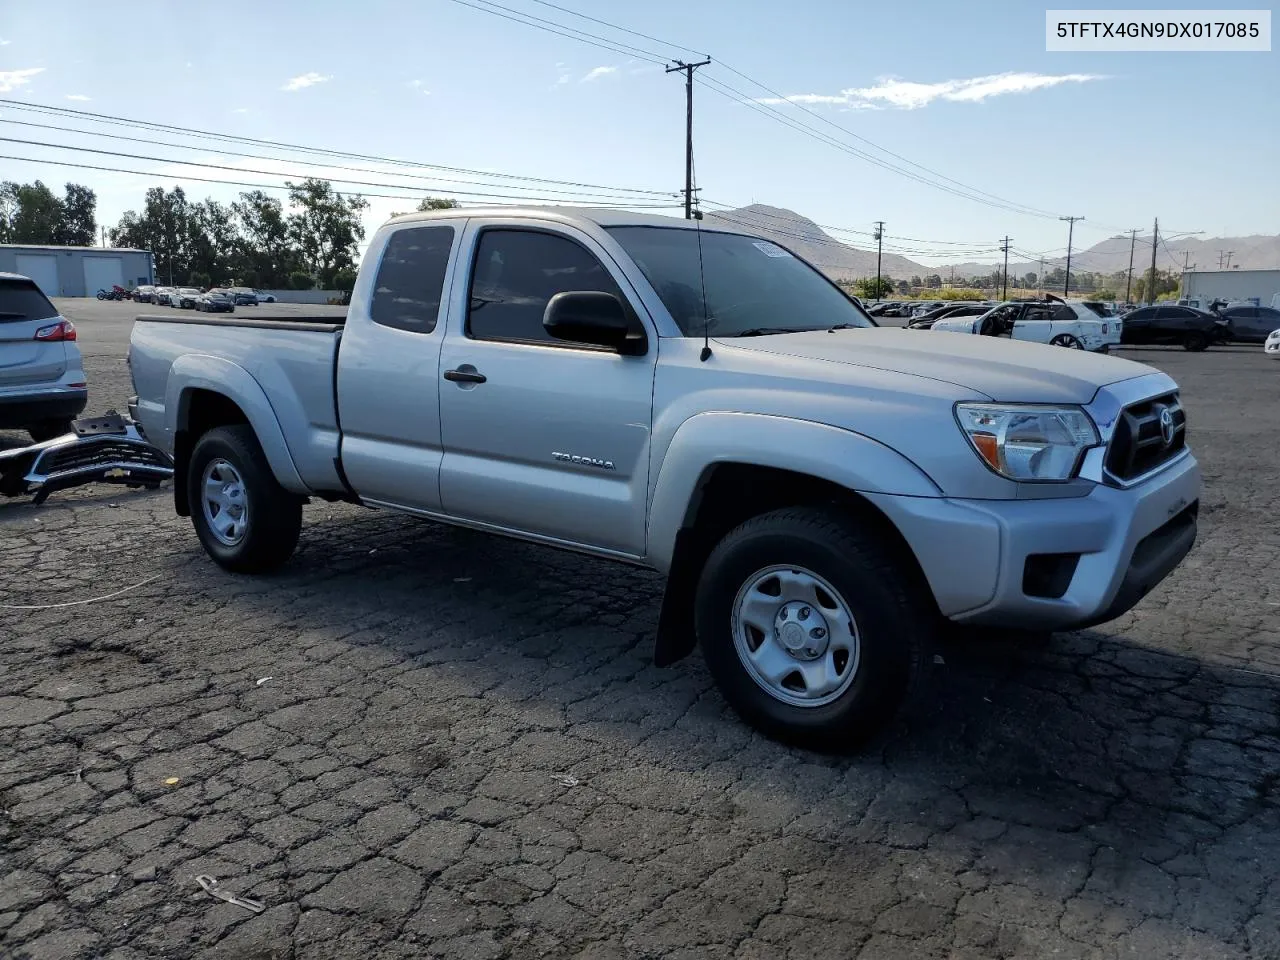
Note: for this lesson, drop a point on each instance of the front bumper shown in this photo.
(26, 410)
(1121, 542)
(106, 449)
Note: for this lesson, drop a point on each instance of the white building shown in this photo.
(1260, 286)
(77, 271)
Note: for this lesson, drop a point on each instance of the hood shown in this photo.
(1002, 369)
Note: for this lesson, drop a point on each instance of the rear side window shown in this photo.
(410, 281)
(516, 272)
(22, 300)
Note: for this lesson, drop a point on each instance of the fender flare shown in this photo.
(849, 459)
(202, 372)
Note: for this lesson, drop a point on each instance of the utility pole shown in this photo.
(1229, 253)
(879, 249)
(1040, 277)
(1005, 294)
(1071, 229)
(1151, 287)
(1128, 282)
(687, 69)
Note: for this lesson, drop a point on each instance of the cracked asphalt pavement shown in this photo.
(421, 742)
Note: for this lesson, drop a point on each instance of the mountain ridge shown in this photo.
(841, 260)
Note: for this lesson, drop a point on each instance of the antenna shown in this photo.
(702, 280)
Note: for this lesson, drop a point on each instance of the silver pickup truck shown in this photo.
(822, 494)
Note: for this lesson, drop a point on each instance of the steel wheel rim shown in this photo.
(225, 502)
(774, 616)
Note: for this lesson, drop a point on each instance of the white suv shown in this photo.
(1060, 323)
(42, 384)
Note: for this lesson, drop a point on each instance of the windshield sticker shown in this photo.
(770, 249)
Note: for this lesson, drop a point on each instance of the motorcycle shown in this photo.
(116, 292)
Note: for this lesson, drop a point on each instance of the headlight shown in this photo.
(1026, 442)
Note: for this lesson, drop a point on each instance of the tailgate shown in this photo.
(24, 360)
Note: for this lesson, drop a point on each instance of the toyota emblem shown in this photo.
(1166, 425)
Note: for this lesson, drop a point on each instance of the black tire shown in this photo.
(894, 625)
(48, 429)
(274, 515)
(1195, 341)
(1066, 340)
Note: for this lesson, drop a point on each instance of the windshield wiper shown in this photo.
(843, 326)
(763, 332)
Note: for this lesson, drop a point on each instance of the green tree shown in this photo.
(267, 253)
(344, 279)
(1029, 279)
(869, 289)
(216, 245)
(1105, 293)
(33, 212)
(427, 204)
(903, 287)
(301, 280)
(325, 228)
(933, 281)
(165, 227)
(78, 223)
(916, 283)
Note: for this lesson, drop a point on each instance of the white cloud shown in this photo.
(305, 80)
(4, 42)
(13, 79)
(79, 96)
(417, 85)
(240, 110)
(595, 73)
(908, 95)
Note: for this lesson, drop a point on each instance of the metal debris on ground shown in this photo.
(211, 887)
(567, 781)
(261, 680)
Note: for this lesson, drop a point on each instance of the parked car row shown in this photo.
(185, 297)
(1196, 329)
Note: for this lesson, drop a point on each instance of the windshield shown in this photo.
(752, 285)
(188, 290)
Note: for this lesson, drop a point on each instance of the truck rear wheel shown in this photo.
(245, 520)
(810, 629)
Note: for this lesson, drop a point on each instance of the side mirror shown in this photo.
(587, 316)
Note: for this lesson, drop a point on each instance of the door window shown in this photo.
(516, 272)
(407, 290)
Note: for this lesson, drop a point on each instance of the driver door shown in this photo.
(542, 436)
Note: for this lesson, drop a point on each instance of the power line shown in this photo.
(300, 148)
(275, 186)
(257, 156)
(971, 191)
(268, 173)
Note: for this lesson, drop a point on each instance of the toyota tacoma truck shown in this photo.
(822, 494)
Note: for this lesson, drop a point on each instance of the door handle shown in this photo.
(465, 375)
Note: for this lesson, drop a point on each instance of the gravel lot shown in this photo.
(421, 742)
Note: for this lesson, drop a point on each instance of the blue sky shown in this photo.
(966, 90)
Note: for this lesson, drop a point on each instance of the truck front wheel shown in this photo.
(810, 629)
(245, 520)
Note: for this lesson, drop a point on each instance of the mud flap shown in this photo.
(677, 636)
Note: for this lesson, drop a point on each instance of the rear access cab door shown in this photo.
(388, 378)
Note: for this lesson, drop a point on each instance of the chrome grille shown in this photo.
(100, 452)
(1147, 434)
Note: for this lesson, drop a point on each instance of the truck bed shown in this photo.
(288, 365)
